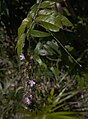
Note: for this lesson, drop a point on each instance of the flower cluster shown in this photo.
(31, 83)
(27, 99)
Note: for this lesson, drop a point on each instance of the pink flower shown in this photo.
(22, 57)
(27, 100)
(31, 83)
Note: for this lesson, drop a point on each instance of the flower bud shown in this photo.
(59, 8)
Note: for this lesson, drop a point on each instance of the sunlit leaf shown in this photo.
(46, 4)
(33, 10)
(49, 26)
(46, 12)
(50, 22)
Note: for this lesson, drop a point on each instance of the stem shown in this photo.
(36, 13)
(33, 22)
(30, 62)
(65, 49)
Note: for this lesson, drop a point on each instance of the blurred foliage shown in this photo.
(46, 79)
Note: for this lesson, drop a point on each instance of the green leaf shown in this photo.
(18, 89)
(26, 112)
(38, 48)
(36, 55)
(46, 12)
(70, 59)
(41, 63)
(33, 10)
(57, 99)
(57, 108)
(49, 99)
(37, 33)
(46, 4)
(52, 92)
(20, 43)
(65, 21)
(50, 22)
(49, 26)
(55, 71)
(61, 117)
(54, 46)
(66, 11)
(49, 50)
(69, 48)
(64, 113)
(22, 27)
